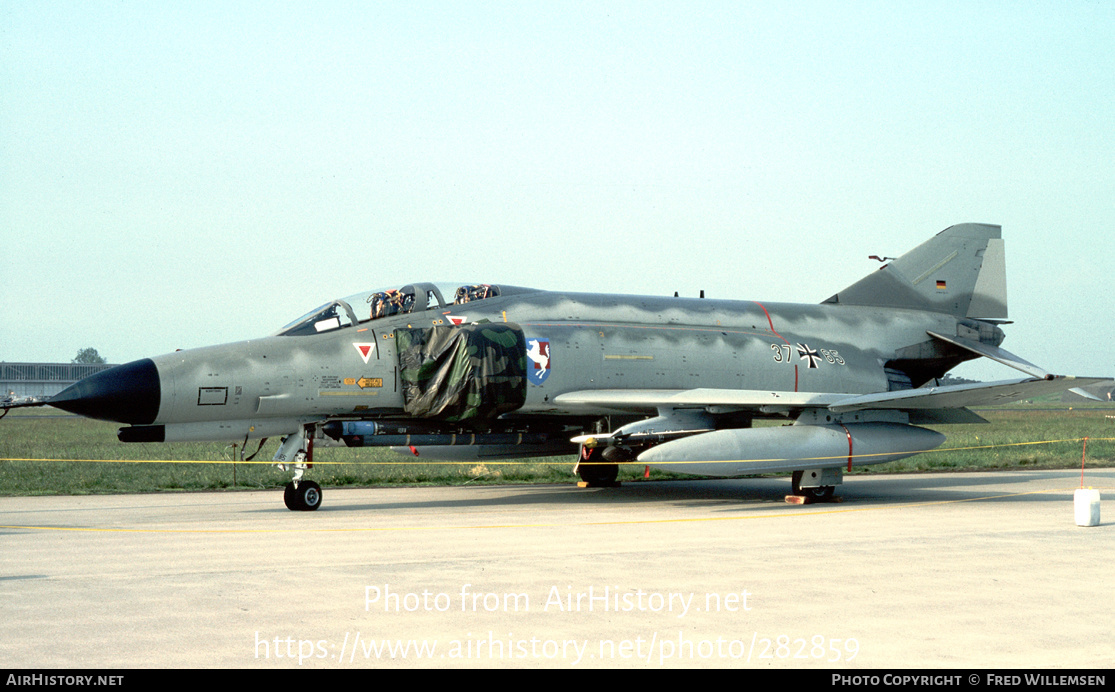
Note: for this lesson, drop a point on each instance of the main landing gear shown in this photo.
(809, 486)
(297, 453)
(593, 469)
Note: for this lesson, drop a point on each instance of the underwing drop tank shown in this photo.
(749, 451)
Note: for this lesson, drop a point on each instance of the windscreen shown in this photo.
(386, 302)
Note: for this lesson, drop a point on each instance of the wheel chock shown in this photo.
(803, 500)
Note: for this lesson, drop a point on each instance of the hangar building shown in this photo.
(43, 379)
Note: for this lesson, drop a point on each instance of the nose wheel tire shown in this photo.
(306, 497)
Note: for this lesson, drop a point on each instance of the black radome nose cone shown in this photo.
(128, 393)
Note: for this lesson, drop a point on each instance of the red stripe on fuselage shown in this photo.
(775, 332)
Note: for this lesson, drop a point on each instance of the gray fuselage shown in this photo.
(268, 386)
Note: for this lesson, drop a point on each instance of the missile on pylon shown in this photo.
(429, 440)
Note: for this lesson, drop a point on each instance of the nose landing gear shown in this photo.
(297, 453)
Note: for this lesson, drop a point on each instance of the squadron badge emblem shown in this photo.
(538, 351)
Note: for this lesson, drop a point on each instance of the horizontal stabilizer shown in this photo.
(994, 353)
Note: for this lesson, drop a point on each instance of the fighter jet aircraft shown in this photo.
(485, 371)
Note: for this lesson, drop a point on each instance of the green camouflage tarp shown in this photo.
(469, 373)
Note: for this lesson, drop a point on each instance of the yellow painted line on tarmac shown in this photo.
(630, 522)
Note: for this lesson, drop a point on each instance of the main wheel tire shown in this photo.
(593, 472)
(821, 494)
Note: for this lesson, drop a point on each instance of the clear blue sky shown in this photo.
(179, 174)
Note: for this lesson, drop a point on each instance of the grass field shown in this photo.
(59, 454)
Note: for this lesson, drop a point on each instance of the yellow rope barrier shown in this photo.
(494, 462)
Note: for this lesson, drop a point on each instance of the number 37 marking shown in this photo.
(783, 353)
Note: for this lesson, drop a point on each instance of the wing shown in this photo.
(650, 400)
(768, 402)
(683, 432)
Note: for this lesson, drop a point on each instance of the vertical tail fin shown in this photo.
(960, 271)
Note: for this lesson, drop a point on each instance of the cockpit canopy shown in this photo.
(374, 305)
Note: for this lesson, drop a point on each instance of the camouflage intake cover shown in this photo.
(463, 373)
